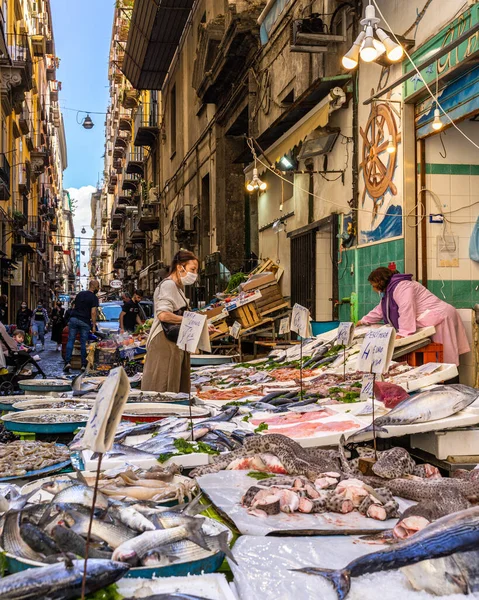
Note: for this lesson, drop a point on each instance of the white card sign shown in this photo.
(106, 412)
(235, 330)
(194, 333)
(377, 350)
(300, 321)
(284, 326)
(367, 389)
(345, 334)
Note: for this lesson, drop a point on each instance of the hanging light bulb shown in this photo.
(391, 148)
(437, 124)
(88, 123)
(350, 59)
(256, 183)
(83, 230)
(394, 51)
(368, 52)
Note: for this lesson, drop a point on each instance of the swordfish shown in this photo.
(437, 403)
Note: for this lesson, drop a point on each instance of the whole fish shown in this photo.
(224, 415)
(455, 574)
(458, 532)
(127, 452)
(186, 551)
(69, 541)
(12, 541)
(135, 549)
(61, 581)
(38, 540)
(57, 485)
(169, 519)
(438, 403)
(80, 494)
(160, 425)
(157, 444)
(113, 534)
(130, 517)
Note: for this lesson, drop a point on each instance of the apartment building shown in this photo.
(33, 156)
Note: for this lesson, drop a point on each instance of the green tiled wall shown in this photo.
(365, 260)
(449, 169)
(460, 293)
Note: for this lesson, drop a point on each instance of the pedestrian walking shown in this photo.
(24, 321)
(82, 321)
(130, 313)
(40, 322)
(57, 318)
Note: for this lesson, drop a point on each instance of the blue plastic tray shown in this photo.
(39, 472)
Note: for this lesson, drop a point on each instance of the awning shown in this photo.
(155, 32)
(317, 117)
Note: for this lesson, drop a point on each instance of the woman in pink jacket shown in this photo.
(407, 306)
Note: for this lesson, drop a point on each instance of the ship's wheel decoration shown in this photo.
(378, 164)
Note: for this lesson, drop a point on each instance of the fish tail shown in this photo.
(223, 546)
(195, 534)
(340, 579)
(357, 436)
(194, 507)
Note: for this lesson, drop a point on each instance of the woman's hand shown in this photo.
(359, 323)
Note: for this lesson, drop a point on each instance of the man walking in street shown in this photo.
(39, 324)
(130, 312)
(82, 320)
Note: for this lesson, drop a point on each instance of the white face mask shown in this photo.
(189, 278)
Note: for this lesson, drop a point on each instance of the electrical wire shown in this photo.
(438, 104)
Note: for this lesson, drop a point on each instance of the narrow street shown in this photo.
(51, 360)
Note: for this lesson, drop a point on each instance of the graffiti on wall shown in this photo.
(380, 206)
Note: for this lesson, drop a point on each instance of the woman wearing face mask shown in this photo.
(24, 319)
(407, 306)
(167, 368)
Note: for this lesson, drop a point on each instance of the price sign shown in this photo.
(345, 334)
(367, 389)
(194, 333)
(235, 330)
(107, 412)
(300, 321)
(284, 326)
(377, 350)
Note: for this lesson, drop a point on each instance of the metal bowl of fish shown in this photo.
(144, 412)
(54, 403)
(45, 385)
(45, 421)
(136, 396)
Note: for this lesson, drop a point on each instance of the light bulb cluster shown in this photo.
(368, 47)
(256, 184)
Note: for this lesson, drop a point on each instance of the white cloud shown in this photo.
(82, 218)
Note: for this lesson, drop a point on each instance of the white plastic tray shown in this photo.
(226, 488)
(212, 586)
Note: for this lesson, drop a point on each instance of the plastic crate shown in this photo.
(319, 327)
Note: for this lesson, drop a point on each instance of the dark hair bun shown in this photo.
(181, 258)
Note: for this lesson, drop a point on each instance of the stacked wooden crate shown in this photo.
(247, 315)
(271, 299)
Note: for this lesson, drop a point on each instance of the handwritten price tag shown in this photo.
(367, 389)
(235, 330)
(300, 321)
(284, 326)
(194, 333)
(345, 334)
(377, 350)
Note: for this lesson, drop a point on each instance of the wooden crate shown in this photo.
(223, 330)
(246, 315)
(271, 298)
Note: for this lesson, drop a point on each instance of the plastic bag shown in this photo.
(474, 243)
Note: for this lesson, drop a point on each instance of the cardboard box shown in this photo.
(259, 281)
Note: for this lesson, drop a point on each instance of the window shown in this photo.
(173, 120)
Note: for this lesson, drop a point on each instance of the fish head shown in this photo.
(102, 573)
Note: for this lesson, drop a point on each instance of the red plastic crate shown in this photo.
(432, 353)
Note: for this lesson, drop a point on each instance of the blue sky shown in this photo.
(82, 30)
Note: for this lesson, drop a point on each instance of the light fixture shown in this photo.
(278, 226)
(256, 184)
(394, 51)
(350, 59)
(83, 230)
(88, 123)
(391, 148)
(368, 52)
(437, 124)
(369, 47)
(286, 162)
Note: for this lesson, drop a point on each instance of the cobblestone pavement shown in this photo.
(51, 360)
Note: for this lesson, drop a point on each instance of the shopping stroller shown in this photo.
(16, 362)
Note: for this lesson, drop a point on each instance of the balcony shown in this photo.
(32, 230)
(116, 222)
(16, 71)
(130, 98)
(147, 125)
(52, 65)
(111, 236)
(137, 236)
(25, 120)
(104, 216)
(149, 219)
(124, 123)
(24, 178)
(4, 178)
(55, 87)
(135, 163)
(130, 183)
